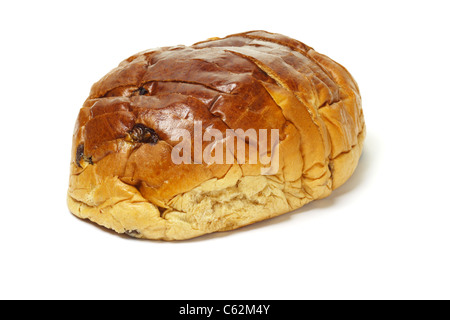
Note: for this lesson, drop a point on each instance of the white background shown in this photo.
(383, 235)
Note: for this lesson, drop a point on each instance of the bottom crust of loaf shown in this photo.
(216, 205)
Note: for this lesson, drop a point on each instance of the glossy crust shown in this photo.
(253, 80)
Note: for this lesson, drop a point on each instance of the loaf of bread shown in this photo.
(304, 108)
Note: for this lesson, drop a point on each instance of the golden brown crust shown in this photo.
(255, 80)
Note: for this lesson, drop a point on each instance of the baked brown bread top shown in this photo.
(122, 174)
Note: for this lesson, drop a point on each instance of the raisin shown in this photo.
(142, 134)
(142, 91)
(81, 156)
(132, 233)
